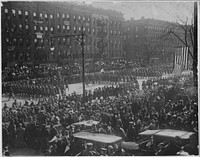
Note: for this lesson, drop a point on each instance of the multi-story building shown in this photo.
(146, 39)
(27, 28)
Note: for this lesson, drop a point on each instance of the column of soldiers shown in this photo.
(30, 90)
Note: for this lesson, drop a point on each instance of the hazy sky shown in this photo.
(163, 10)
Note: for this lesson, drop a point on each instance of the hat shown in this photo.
(103, 149)
(90, 144)
(131, 122)
(110, 147)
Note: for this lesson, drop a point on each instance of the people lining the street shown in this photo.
(122, 111)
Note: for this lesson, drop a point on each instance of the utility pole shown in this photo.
(83, 61)
(195, 59)
(79, 37)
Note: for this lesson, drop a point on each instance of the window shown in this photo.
(74, 17)
(35, 42)
(93, 20)
(64, 29)
(42, 42)
(41, 16)
(89, 30)
(34, 14)
(15, 41)
(51, 16)
(52, 29)
(68, 41)
(58, 28)
(26, 13)
(20, 42)
(41, 28)
(20, 26)
(64, 41)
(89, 19)
(68, 16)
(58, 15)
(59, 41)
(35, 28)
(7, 41)
(6, 11)
(20, 13)
(74, 29)
(46, 29)
(45, 16)
(27, 27)
(27, 43)
(83, 18)
(63, 16)
(79, 18)
(13, 13)
(68, 27)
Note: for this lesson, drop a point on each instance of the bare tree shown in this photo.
(186, 35)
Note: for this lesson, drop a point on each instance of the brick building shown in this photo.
(27, 28)
(145, 39)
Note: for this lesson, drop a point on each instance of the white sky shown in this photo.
(163, 10)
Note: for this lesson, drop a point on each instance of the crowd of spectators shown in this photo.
(121, 110)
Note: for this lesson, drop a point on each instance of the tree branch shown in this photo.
(178, 37)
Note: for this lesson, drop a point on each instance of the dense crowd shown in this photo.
(121, 110)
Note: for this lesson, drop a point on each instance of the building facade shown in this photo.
(27, 28)
(146, 39)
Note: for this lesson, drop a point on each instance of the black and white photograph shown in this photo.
(99, 78)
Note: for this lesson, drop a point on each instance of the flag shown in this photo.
(180, 60)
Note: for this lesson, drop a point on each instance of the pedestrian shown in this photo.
(20, 141)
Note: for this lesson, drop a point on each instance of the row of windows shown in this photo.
(60, 41)
(115, 32)
(157, 28)
(46, 16)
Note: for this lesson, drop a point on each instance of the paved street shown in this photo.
(72, 88)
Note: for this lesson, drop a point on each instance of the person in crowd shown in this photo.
(20, 133)
(11, 93)
(192, 147)
(114, 108)
(103, 152)
(131, 133)
(110, 151)
(89, 151)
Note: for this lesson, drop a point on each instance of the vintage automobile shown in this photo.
(159, 142)
(99, 140)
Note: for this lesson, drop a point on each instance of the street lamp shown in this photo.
(79, 37)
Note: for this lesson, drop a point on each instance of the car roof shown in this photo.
(87, 123)
(98, 137)
(168, 133)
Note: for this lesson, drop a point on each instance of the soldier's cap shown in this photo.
(110, 147)
(130, 122)
(89, 144)
(103, 149)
